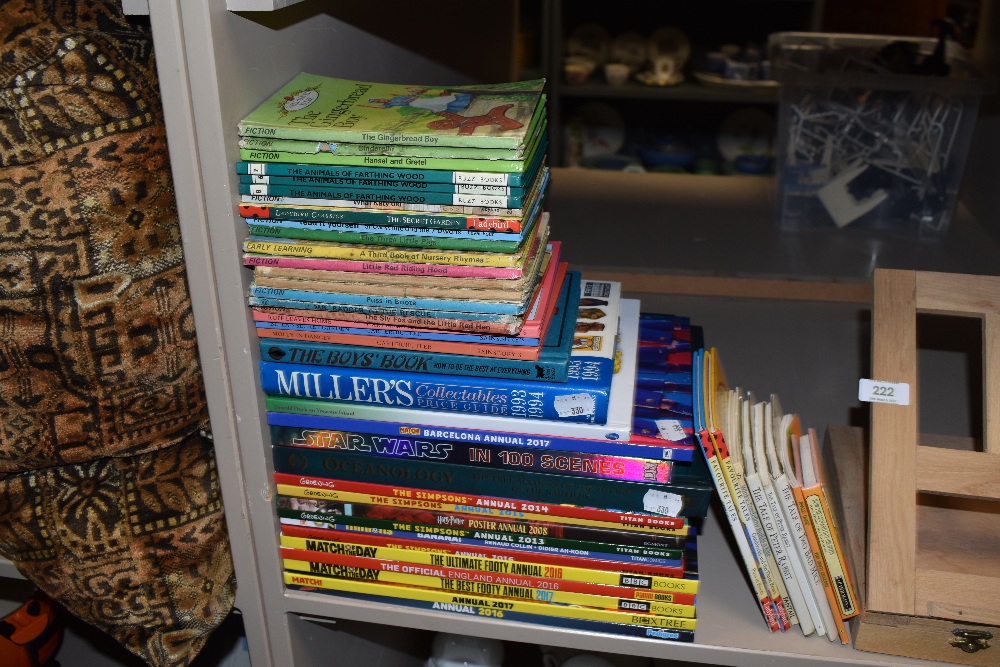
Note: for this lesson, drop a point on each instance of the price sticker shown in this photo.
(574, 405)
(661, 502)
(893, 393)
(671, 429)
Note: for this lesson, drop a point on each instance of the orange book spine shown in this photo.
(833, 556)
(824, 574)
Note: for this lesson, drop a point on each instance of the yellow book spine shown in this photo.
(484, 601)
(833, 557)
(387, 575)
(382, 253)
(824, 574)
(438, 559)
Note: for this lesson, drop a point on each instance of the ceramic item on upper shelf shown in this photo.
(630, 48)
(669, 41)
(616, 73)
(746, 137)
(667, 71)
(592, 40)
(668, 52)
(577, 69)
(601, 127)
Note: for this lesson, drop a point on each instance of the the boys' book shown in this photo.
(582, 398)
(470, 427)
(323, 108)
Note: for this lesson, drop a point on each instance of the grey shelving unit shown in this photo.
(214, 66)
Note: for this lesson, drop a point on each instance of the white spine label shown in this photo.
(894, 393)
(574, 405)
(661, 502)
(671, 429)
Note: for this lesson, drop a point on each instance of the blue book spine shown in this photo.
(485, 339)
(667, 452)
(387, 196)
(274, 302)
(398, 185)
(663, 381)
(647, 426)
(582, 398)
(519, 179)
(337, 228)
(368, 300)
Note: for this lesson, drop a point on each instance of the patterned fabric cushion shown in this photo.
(109, 499)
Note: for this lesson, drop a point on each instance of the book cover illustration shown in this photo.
(323, 108)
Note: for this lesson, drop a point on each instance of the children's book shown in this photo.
(711, 453)
(787, 432)
(403, 237)
(338, 281)
(514, 179)
(825, 529)
(789, 565)
(548, 362)
(456, 164)
(396, 150)
(323, 108)
(370, 183)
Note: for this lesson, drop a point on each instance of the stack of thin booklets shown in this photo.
(451, 407)
(766, 468)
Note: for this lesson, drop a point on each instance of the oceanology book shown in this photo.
(321, 108)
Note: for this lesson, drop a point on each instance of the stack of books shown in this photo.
(445, 435)
(766, 468)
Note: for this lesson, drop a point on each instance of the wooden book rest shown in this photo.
(931, 575)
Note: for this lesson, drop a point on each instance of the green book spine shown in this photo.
(417, 175)
(396, 240)
(343, 148)
(373, 184)
(624, 496)
(380, 195)
(452, 164)
(321, 108)
(394, 219)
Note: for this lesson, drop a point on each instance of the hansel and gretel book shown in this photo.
(323, 108)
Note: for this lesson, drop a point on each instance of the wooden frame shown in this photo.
(913, 483)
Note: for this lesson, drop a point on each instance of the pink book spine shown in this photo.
(259, 316)
(456, 271)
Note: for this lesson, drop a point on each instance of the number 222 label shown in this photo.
(894, 393)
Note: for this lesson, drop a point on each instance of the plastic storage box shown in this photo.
(873, 131)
